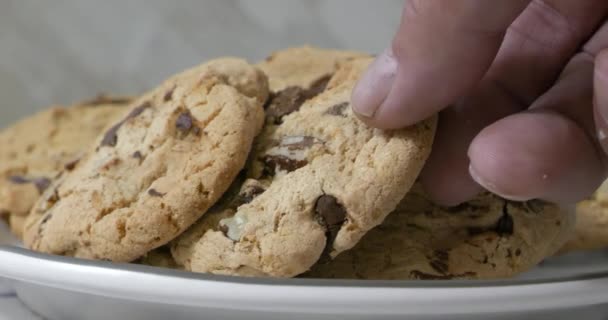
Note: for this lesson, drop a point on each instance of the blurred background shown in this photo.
(63, 51)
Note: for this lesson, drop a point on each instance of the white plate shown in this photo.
(62, 288)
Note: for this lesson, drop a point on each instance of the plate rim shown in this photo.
(400, 297)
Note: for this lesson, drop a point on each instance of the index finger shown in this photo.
(441, 50)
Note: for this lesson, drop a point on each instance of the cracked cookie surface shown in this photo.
(485, 238)
(37, 148)
(324, 177)
(157, 170)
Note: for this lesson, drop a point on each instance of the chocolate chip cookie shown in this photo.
(487, 237)
(157, 170)
(323, 179)
(37, 148)
(591, 223)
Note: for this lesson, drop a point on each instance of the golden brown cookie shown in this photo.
(157, 170)
(328, 179)
(591, 223)
(485, 238)
(37, 148)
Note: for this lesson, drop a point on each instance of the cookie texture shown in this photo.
(157, 170)
(303, 67)
(591, 223)
(326, 179)
(37, 148)
(485, 238)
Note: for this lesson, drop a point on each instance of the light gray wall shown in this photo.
(60, 51)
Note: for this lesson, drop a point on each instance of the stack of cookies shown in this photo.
(256, 170)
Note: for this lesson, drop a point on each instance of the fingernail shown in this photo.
(492, 187)
(374, 85)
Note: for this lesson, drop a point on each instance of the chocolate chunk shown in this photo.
(439, 261)
(337, 110)
(223, 229)
(154, 193)
(19, 180)
(138, 110)
(317, 87)
(46, 219)
(504, 226)
(291, 99)
(330, 214)
(298, 143)
(110, 138)
(247, 195)
(42, 184)
(517, 252)
(285, 102)
(184, 121)
(71, 165)
(168, 95)
(274, 163)
(137, 155)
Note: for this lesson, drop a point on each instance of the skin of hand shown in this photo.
(522, 87)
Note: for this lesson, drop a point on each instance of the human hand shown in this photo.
(522, 87)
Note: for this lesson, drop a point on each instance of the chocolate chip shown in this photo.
(19, 180)
(337, 110)
(110, 138)
(330, 214)
(46, 219)
(138, 110)
(42, 184)
(517, 252)
(247, 195)
(223, 229)
(439, 261)
(318, 86)
(504, 226)
(71, 165)
(291, 99)
(169, 94)
(274, 163)
(285, 102)
(137, 155)
(154, 193)
(185, 123)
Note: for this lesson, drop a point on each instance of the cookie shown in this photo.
(157, 170)
(16, 224)
(37, 148)
(485, 238)
(327, 180)
(591, 223)
(303, 67)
